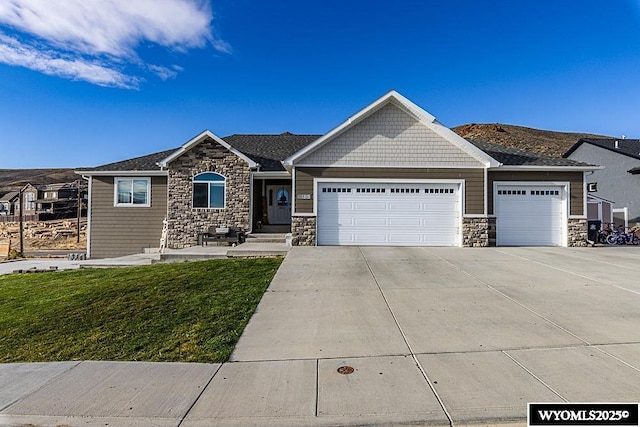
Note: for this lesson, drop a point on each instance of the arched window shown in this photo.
(209, 189)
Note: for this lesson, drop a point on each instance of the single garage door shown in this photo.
(530, 215)
(390, 214)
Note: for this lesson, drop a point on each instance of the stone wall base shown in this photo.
(577, 233)
(303, 231)
(475, 232)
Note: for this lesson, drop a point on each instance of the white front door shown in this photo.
(279, 204)
(389, 214)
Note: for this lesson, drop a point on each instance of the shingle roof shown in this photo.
(9, 196)
(515, 157)
(143, 163)
(627, 147)
(270, 150)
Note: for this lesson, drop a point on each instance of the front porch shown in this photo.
(271, 203)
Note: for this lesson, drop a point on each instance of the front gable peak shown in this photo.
(198, 139)
(392, 132)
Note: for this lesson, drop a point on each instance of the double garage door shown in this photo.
(530, 215)
(389, 214)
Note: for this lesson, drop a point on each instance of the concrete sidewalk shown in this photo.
(195, 253)
(434, 336)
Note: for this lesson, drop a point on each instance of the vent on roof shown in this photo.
(287, 133)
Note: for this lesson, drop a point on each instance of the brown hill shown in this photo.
(541, 141)
(14, 179)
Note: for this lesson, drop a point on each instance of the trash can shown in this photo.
(592, 230)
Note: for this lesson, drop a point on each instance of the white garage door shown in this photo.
(391, 214)
(530, 215)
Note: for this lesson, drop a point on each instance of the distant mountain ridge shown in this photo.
(547, 142)
(14, 179)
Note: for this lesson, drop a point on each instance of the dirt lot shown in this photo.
(39, 235)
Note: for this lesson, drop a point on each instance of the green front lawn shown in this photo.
(186, 312)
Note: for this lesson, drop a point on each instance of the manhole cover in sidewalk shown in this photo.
(345, 370)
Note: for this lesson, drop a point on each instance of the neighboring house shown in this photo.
(59, 200)
(389, 175)
(8, 202)
(619, 181)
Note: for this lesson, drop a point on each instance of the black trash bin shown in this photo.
(592, 230)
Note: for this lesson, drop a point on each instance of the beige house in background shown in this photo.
(389, 175)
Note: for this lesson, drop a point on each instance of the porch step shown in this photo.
(271, 228)
(267, 238)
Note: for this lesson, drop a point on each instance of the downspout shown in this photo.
(89, 198)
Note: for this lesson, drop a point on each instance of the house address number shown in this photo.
(592, 187)
(303, 196)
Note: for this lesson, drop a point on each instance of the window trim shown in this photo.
(118, 179)
(209, 183)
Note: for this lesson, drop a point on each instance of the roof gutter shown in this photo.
(547, 168)
(122, 173)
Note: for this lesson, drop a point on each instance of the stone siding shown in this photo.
(303, 231)
(577, 233)
(184, 221)
(475, 232)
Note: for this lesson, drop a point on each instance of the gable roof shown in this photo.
(626, 147)
(409, 107)
(198, 139)
(509, 156)
(9, 196)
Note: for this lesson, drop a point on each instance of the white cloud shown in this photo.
(92, 39)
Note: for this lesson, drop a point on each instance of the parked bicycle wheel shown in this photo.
(635, 240)
(612, 239)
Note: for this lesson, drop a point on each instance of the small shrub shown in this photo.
(14, 254)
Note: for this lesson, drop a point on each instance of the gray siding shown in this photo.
(474, 182)
(390, 137)
(575, 180)
(614, 182)
(118, 231)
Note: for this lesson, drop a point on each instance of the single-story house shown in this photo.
(389, 175)
(619, 180)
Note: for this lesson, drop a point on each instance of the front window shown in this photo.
(133, 192)
(30, 204)
(209, 190)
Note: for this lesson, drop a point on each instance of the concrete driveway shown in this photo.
(439, 335)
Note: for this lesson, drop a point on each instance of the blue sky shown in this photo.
(96, 81)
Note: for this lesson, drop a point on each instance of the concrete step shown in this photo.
(263, 249)
(267, 238)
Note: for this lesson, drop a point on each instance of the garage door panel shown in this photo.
(370, 206)
(397, 214)
(370, 222)
(530, 215)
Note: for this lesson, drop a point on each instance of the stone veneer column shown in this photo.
(184, 221)
(303, 231)
(475, 232)
(576, 232)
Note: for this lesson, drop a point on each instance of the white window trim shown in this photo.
(117, 179)
(224, 194)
